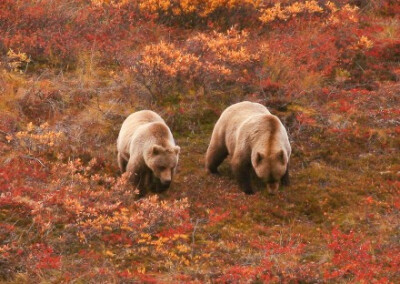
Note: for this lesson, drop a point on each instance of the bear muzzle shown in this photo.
(166, 178)
(163, 186)
(273, 187)
(166, 183)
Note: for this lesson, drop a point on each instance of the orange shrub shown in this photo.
(208, 61)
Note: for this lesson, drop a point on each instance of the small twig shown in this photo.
(194, 232)
(36, 159)
(4, 133)
(26, 66)
(360, 66)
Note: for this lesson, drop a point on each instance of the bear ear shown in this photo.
(177, 149)
(157, 149)
(259, 158)
(281, 157)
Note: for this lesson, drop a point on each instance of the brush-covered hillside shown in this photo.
(71, 71)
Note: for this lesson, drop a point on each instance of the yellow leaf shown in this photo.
(109, 253)
(30, 127)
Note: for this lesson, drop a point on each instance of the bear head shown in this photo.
(162, 162)
(270, 168)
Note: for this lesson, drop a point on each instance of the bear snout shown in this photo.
(166, 183)
(166, 177)
(162, 186)
(273, 187)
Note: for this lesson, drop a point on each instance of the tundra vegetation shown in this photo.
(71, 71)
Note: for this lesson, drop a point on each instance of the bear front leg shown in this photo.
(142, 184)
(122, 163)
(216, 154)
(242, 171)
(137, 177)
(285, 179)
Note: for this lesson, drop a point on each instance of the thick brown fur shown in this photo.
(256, 140)
(147, 150)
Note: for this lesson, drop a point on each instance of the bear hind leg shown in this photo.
(214, 157)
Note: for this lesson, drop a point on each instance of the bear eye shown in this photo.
(161, 168)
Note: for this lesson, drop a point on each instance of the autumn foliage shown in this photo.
(72, 70)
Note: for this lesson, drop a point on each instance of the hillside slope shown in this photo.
(70, 73)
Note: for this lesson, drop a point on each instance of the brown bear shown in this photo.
(147, 150)
(255, 139)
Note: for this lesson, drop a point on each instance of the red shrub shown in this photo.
(57, 32)
(360, 259)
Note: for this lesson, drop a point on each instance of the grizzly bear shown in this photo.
(147, 150)
(256, 140)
